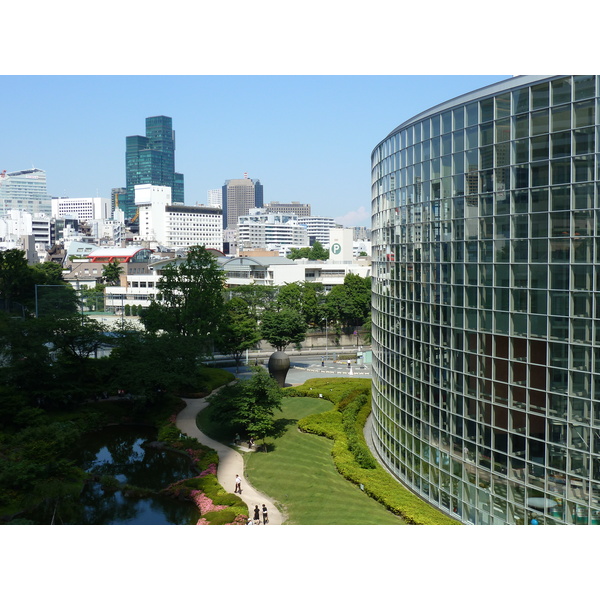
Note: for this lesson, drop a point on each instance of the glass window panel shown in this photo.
(538, 275)
(561, 91)
(502, 106)
(561, 118)
(561, 144)
(472, 138)
(539, 147)
(521, 176)
(520, 201)
(502, 154)
(486, 157)
(540, 95)
(539, 225)
(426, 129)
(539, 200)
(583, 167)
(561, 198)
(584, 113)
(521, 151)
(521, 126)
(583, 195)
(435, 126)
(584, 140)
(447, 143)
(458, 115)
(521, 100)
(472, 114)
(458, 140)
(561, 171)
(487, 109)
(486, 134)
(539, 122)
(585, 86)
(435, 147)
(539, 174)
(503, 130)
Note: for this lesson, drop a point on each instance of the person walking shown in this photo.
(265, 515)
(238, 485)
(322, 361)
(256, 515)
(348, 363)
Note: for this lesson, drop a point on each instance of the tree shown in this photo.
(17, 280)
(317, 252)
(190, 300)
(249, 406)
(258, 297)
(111, 272)
(282, 328)
(349, 304)
(240, 332)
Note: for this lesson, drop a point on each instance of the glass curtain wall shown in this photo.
(486, 303)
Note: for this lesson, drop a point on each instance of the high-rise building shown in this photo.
(150, 159)
(486, 300)
(24, 190)
(239, 196)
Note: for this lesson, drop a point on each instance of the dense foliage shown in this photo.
(248, 407)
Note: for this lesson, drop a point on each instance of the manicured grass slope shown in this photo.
(299, 474)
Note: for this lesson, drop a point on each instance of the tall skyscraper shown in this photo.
(239, 196)
(24, 190)
(150, 159)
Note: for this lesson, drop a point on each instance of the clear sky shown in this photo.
(307, 138)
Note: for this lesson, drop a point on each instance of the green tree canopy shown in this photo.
(282, 328)
(190, 299)
(249, 406)
(111, 272)
(240, 331)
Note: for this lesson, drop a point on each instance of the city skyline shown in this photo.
(274, 128)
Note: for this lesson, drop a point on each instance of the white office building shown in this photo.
(318, 228)
(260, 229)
(84, 209)
(176, 225)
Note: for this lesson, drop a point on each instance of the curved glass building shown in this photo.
(486, 303)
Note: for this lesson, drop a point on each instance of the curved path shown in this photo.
(231, 462)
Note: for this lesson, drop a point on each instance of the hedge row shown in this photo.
(378, 483)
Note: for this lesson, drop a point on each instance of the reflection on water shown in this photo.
(123, 453)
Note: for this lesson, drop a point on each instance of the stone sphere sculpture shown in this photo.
(279, 365)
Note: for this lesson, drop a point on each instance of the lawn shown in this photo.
(300, 475)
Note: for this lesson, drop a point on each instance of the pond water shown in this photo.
(122, 452)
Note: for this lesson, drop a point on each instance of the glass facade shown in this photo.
(486, 303)
(151, 159)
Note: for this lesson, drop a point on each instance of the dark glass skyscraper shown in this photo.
(151, 159)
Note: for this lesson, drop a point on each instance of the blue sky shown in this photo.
(307, 138)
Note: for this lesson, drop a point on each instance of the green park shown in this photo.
(88, 412)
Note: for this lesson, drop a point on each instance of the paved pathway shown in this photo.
(231, 462)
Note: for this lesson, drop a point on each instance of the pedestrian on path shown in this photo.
(348, 363)
(322, 361)
(238, 485)
(265, 515)
(256, 515)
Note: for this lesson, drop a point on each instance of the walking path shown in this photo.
(231, 462)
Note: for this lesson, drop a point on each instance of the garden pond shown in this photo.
(124, 454)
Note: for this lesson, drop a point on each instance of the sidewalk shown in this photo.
(231, 462)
